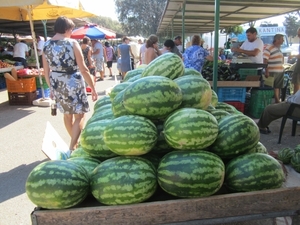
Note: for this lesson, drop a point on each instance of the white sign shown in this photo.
(271, 30)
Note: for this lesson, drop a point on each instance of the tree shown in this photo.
(291, 24)
(107, 23)
(140, 17)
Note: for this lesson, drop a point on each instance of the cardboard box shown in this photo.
(268, 81)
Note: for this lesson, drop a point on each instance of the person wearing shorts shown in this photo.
(99, 55)
(274, 58)
(109, 56)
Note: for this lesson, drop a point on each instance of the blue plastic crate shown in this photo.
(232, 94)
(39, 93)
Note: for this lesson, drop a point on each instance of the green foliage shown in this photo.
(291, 24)
(107, 23)
(235, 29)
(140, 17)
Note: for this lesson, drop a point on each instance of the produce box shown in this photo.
(259, 99)
(21, 85)
(40, 95)
(232, 94)
(218, 209)
(21, 98)
(38, 84)
(244, 72)
(2, 82)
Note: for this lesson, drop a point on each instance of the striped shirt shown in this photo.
(274, 57)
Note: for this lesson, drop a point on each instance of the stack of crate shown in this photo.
(260, 98)
(21, 91)
(235, 96)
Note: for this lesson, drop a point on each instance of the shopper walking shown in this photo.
(87, 56)
(109, 56)
(65, 73)
(99, 55)
(124, 51)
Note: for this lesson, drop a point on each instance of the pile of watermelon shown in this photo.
(161, 129)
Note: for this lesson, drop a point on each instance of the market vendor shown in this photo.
(21, 52)
(253, 47)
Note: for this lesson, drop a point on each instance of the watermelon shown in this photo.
(190, 174)
(133, 73)
(116, 89)
(285, 155)
(196, 91)
(226, 107)
(130, 135)
(152, 97)
(102, 101)
(219, 114)
(88, 163)
(57, 184)
(101, 115)
(214, 98)
(79, 152)
(297, 148)
(102, 108)
(123, 180)
(167, 65)
(117, 105)
(190, 129)
(132, 79)
(92, 142)
(253, 172)
(191, 71)
(295, 161)
(260, 148)
(161, 147)
(238, 134)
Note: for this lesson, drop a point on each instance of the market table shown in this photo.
(8, 69)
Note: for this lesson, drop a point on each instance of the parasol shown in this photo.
(93, 31)
(29, 10)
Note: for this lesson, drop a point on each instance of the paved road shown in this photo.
(21, 132)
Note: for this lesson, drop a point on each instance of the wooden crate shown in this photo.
(215, 209)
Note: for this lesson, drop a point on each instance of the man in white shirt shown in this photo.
(253, 47)
(20, 53)
(99, 55)
(40, 46)
(142, 52)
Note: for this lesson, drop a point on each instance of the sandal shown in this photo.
(264, 130)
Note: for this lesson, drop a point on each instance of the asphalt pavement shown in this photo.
(21, 131)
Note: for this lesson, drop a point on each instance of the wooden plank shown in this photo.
(172, 211)
(237, 83)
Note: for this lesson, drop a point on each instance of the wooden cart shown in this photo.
(217, 209)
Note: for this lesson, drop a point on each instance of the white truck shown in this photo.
(267, 35)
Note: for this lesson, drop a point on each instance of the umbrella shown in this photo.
(93, 32)
(29, 10)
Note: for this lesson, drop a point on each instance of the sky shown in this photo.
(100, 7)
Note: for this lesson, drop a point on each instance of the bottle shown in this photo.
(53, 109)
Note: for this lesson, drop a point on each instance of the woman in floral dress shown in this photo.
(66, 73)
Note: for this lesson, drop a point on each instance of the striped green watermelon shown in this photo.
(214, 98)
(101, 115)
(133, 73)
(253, 172)
(196, 92)
(191, 71)
(190, 129)
(167, 65)
(297, 148)
(79, 152)
(295, 161)
(116, 89)
(228, 108)
(117, 105)
(102, 101)
(238, 134)
(88, 163)
(130, 135)
(259, 148)
(123, 180)
(190, 174)
(152, 97)
(219, 114)
(57, 184)
(161, 147)
(92, 142)
(102, 108)
(285, 155)
(132, 79)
